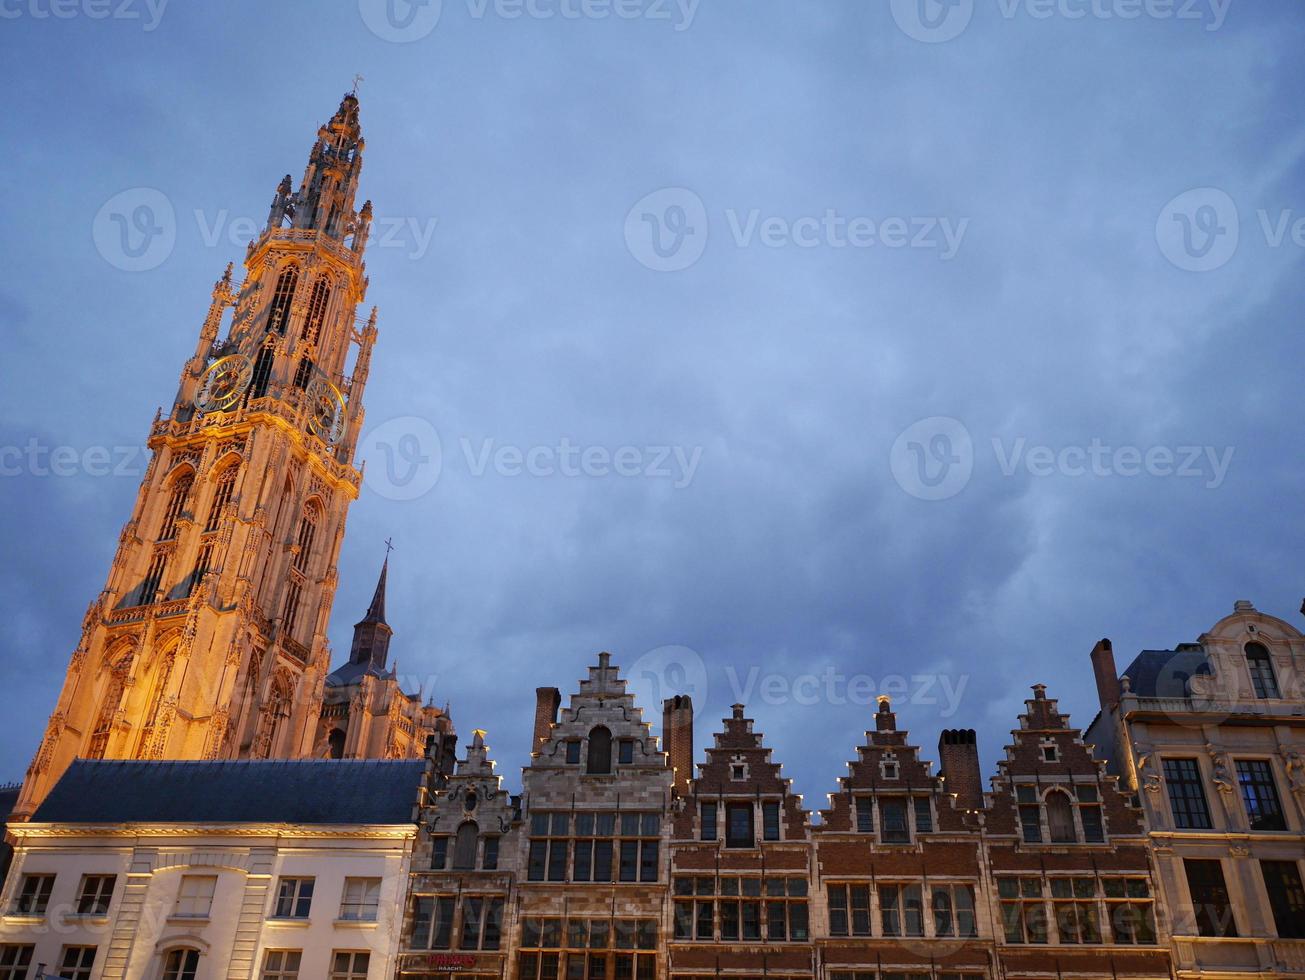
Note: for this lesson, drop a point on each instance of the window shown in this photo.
(195, 896)
(14, 961)
(278, 313)
(1074, 904)
(1030, 813)
(482, 923)
(1186, 794)
(1060, 818)
(1023, 916)
(1286, 897)
(738, 825)
(317, 302)
(149, 587)
(222, 491)
(573, 752)
(923, 815)
(786, 910)
(600, 752)
(588, 949)
(865, 814)
(1260, 794)
(464, 846)
(176, 501)
(262, 372)
(548, 856)
(361, 898)
(432, 922)
(335, 743)
(307, 532)
(294, 897)
(33, 895)
(1261, 666)
(281, 964)
(181, 964)
(849, 910)
(1130, 911)
(76, 962)
(707, 812)
(901, 910)
(1089, 814)
(95, 895)
(1050, 752)
(439, 853)
(1210, 903)
(953, 910)
(892, 819)
(349, 965)
(489, 860)
(740, 908)
(770, 820)
(626, 754)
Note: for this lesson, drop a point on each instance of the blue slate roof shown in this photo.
(1166, 673)
(309, 791)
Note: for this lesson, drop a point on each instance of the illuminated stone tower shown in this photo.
(209, 638)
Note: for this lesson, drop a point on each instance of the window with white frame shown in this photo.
(95, 894)
(76, 962)
(362, 897)
(281, 964)
(195, 896)
(953, 910)
(349, 964)
(181, 964)
(294, 897)
(15, 958)
(33, 895)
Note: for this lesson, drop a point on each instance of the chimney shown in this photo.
(1103, 665)
(958, 754)
(677, 739)
(547, 702)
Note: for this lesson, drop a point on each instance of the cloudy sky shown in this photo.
(932, 343)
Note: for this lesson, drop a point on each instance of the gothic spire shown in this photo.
(376, 611)
(371, 634)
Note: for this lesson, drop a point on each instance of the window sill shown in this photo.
(86, 917)
(25, 918)
(187, 920)
(299, 921)
(356, 923)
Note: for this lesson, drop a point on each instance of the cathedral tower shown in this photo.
(209, 638)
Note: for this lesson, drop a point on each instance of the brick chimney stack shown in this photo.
(548, 700)
(677, 739)
(958, 754)
(1103, 665)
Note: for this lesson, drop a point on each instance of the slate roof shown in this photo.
(308, 791)
(1165, 673)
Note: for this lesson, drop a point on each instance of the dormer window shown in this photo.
(888, 769)
(1050, 751)
(738, 768)
(1263, 680)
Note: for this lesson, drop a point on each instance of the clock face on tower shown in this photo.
(325, 410)
(224, 383)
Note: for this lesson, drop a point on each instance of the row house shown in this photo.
(1211, 737)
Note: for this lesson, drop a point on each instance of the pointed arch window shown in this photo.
(304, 373)
(600, 752)
(307, 532)
(109, 705)
(176, 503)
(1060, 818)
(335, 744)
(149, 587)
(464, 846)
(278, 313)
(262, 373)
(162, 676)
(223, 490)
(317, 304)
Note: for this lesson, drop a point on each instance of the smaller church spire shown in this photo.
(376, 611)
(371, 634)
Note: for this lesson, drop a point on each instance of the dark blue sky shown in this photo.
(925, 323)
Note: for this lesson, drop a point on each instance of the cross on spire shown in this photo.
(389, 546)
(356, 80)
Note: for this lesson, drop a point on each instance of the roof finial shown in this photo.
(356, 80)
